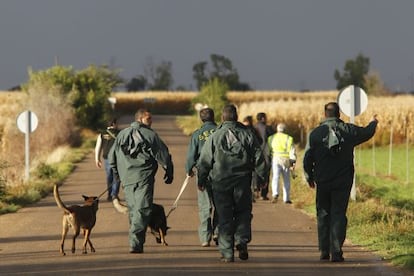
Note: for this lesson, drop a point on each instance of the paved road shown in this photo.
(284, 239)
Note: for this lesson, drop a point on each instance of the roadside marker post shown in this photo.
(352, 101)
(27, 122)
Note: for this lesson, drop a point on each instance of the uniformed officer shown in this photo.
(329, 166)
(134, 158)
(103, 144)
(283, 155)
(226, 163)
(207, 229)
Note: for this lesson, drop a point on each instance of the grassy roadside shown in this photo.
(382, 216)
(43, 177)
(378, 220)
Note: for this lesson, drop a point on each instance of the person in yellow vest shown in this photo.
(283, 155)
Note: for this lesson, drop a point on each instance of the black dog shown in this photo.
(157, 223)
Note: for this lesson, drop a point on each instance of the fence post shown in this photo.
(390, 151)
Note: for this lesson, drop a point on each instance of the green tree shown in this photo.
(93, 86)
(199, 73)
(163, 79)
(353, 73)
(58, 75)
(214, 95)
(222, 69)
(87, 90)
(374, 85)
(159, 76)
(137, 83)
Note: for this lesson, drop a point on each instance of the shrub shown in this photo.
(214, 95)
(45, 171)
(86, 90)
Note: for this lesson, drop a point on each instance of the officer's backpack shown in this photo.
(231, 153)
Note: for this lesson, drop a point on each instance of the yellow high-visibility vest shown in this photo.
(280, 144)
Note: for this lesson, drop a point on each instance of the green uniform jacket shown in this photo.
(198, 138)
(136, 153)
(318, 162)
(229, 156)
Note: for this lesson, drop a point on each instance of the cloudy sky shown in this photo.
(274, 44)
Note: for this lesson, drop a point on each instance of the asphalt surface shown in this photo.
(284, 238)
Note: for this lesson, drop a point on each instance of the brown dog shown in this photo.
(78, 217)
(157, 223)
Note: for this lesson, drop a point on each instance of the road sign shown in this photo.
(352, 101)
(112, 101)
(27, 121)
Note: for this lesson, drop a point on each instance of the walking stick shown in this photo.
(174, 206)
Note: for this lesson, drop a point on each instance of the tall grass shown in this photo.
(56, 127)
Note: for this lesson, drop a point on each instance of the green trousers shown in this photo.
(331, 204)
(234, 210)
(139, 198)
(207, 215)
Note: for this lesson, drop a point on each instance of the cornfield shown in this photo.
(160, 102)
(301, 112)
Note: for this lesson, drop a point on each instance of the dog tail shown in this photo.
(119, 206)
(58, 200)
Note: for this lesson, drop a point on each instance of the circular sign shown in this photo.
(352, 100)
(27, 120)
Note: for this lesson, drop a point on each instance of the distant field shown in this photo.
(300, 111)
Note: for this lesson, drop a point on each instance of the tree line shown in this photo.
(160, 76)
(88, 89)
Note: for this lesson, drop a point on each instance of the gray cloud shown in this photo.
(287, 44)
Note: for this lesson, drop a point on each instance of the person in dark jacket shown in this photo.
(103, 144)
(207, 229)
(134, 158)
(329, 166)
(264, 131)
(226, 162)
(248, 123)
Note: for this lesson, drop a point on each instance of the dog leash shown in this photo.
(103, 193)
(174, 206)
